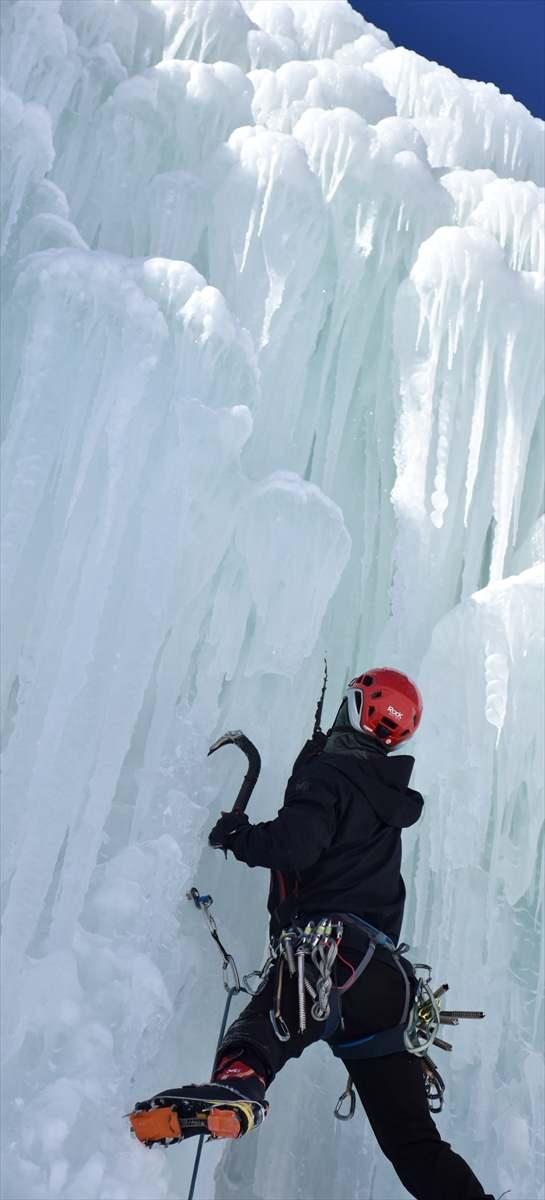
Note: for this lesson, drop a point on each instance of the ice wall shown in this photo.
(272, 388)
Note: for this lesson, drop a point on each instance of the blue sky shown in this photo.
(498, 41)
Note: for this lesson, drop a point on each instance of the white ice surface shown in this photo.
(272, 382)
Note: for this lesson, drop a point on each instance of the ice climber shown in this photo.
(334, 853)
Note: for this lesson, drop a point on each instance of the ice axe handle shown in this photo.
(237, 738)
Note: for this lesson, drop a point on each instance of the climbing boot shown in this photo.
(216, 1109)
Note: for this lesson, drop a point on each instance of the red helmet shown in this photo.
(386, 703)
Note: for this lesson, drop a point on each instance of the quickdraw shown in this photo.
(204, 903)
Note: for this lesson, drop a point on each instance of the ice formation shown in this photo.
(273, 388)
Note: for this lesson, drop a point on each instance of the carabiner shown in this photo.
(230, 965)
(262, 976)
(279, 1025)
(348, 1093)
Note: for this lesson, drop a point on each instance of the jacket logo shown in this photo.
(394, 712)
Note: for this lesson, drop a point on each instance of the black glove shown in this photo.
(224, 830)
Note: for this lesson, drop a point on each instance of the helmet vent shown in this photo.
(371, 710)
(390, 724)
(367, 680)
(376, 695)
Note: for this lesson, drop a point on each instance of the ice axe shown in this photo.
(203, 902)
(238, 738)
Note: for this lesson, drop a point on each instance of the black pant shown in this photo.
(391, 1088)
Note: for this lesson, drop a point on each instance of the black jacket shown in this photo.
(335, 845)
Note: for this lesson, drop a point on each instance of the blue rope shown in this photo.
(205, 902)
(232, 992)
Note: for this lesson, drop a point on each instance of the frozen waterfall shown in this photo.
(272, 381)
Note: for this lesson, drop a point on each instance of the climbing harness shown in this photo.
(310, 953)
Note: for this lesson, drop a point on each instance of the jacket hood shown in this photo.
(384, 780)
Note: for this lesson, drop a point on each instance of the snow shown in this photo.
(272, 381)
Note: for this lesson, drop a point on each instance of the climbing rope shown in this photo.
(234, 988)
(204, 903)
